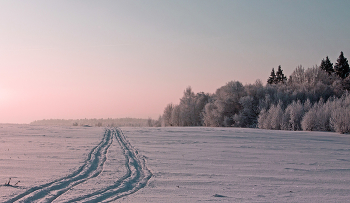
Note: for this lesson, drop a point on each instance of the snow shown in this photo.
(193, 164)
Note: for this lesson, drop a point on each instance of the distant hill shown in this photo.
(120, 122)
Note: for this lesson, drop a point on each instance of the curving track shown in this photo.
(135, 178)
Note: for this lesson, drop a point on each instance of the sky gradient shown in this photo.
(112, 59)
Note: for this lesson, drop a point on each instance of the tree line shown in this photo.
(110, 122)
(310, 99)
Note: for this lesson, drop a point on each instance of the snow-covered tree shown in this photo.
(167, 115)
(247, 116)
(188, 112)
(298, 76)
(175, 116)
(187, 108)
(211, 116)
(346, 83)
(340, 117)
(293, 116)
(309, 120)
(271, 119)
(225, 104)
(340, 120)
(318, 118)
(262, 119)
(201, 100)
(276, 115)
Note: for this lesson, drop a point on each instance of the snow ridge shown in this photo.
(136, 177)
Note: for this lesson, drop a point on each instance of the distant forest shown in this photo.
(312, 99)
(110, 122)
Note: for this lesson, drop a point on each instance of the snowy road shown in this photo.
(135, 178)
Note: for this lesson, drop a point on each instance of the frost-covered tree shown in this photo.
(298, 76)
(333, 115)
(225, 104)
(247, 116)
(152, 123)
(159, 122)
(318, 118)
(307, 105)
(211, 115)
(340, 120)
(276, 117)
(340, 117)
(187, 108)
(327, 66)
(167, 115)
(188, 112)
(309, 120)
(175, 116)
(346, 83)
(272, 118)
(262, 119)
(293, 116)
(250, 105)
(201, 100)
(312, 83)
(342, 66)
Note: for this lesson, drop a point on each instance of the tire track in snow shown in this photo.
(91, 168)
(136, 177)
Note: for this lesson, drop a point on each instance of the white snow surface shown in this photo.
(173, 164)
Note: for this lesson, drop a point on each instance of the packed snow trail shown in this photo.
(136, 177)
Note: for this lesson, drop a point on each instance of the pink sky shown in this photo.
(91, 59)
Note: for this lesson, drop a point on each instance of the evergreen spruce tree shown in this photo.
(327, 66)
(342, 66)
(272, 78)
(280, 78)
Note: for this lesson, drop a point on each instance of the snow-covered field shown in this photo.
(77, 164)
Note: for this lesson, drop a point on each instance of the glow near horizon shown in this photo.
(100, 59)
